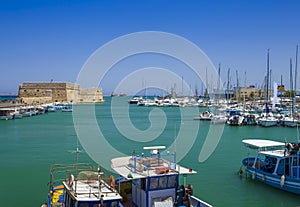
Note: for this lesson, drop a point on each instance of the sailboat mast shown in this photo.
(291, 85)
(219, 77)
(228, 80)
(237, 84)
(296, 64)
(281, 91)
(268, 68)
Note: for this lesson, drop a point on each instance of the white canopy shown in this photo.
(259, 143)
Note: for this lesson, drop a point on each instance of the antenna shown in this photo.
(77, 151)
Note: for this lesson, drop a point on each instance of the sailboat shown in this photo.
(268, 120)
(290, 120)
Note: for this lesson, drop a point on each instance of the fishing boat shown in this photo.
(154, 180)
(80, 185)
(274, 163)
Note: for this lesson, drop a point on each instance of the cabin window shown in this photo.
(296, 161)
(163, 182)
(153, 183)
(280, 169)
(172, 181)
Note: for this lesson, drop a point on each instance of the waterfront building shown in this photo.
(43, 92)
(251, 93)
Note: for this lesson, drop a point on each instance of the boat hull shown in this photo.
(268, 123)
(289, 184)
(289, 123)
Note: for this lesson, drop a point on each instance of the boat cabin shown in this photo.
(155, 179)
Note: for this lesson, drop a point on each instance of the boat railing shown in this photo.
(147, 163)
(95, 188)
(197, 202)
(62, 172)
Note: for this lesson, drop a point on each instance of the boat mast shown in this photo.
(296, 64)
(267, 96)
(228, 80)
(281, 91)
(237, 84)
(291, 86)
(218, 85)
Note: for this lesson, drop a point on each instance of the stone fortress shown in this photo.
(49, 92)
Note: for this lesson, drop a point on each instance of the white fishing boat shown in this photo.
(154, 180)
(274, 163)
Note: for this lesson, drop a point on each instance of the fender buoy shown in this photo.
(112, 181)
(71, 180)
(264, 177)
(241, 172)
(282, 180)
(253, 175)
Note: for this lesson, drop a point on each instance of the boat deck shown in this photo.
(146, 167)
(87, 190)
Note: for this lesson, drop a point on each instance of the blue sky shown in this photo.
(43, 40)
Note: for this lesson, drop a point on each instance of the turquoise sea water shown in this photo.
(30, 145)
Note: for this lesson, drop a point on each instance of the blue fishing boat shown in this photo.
(274, 163)
(80, 185)
(153, 180)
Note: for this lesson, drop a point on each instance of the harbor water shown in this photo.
(30, 145)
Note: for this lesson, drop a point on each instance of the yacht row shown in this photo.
(238, 118)
(18, 112)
